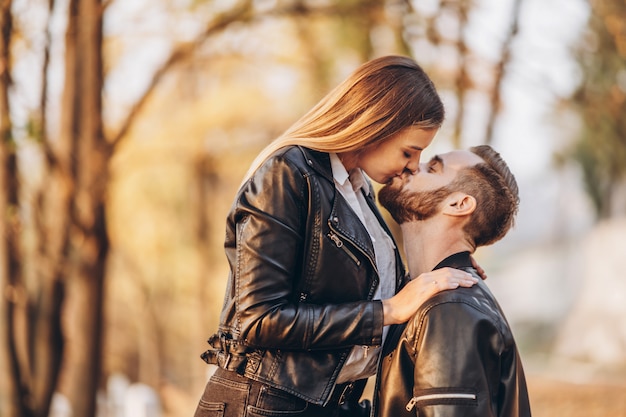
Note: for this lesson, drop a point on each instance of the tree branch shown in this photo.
(179, 54)
(242, 13)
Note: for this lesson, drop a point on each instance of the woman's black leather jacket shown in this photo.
(302, 277)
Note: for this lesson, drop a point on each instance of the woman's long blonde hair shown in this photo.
(380, 98)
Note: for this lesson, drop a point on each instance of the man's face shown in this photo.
(419, 196)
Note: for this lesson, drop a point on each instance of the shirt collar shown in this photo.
(339, 171)
(356, 176)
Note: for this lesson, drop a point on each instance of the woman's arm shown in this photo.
(270, 222)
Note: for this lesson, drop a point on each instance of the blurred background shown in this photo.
(127, 125)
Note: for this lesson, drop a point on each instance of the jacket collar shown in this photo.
(319, 161)
(459, 260)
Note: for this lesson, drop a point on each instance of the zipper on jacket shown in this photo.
(339, 243)
(338, 235)
(411, 404)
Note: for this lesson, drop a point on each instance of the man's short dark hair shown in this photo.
(495, 189)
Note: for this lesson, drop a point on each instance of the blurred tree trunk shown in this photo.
(459, 81)
(463, 82)
(500, 71)
(45, 333)
(601, 102)
(31, 313)
(87, 161)
(10, 372)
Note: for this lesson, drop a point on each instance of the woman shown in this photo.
(314, 268)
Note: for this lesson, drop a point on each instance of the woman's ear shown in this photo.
(459, 204)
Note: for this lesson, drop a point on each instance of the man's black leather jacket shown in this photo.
(302, 278)
(455, 358)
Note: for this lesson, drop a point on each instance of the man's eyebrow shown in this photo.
(417, 148)
(436, 160)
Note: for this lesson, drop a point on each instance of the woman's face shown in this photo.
(400, 152)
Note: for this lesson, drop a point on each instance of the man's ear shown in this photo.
(459, 204)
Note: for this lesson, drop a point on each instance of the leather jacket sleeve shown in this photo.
(270, 219)
(466, 364)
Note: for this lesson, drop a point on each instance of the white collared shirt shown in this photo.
(363, 359)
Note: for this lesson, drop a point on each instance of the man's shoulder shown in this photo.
(476, 299)
(462, 305)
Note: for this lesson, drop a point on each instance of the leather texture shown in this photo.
(456, 358)
(302, 277)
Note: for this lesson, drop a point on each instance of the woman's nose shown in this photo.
(413, 166)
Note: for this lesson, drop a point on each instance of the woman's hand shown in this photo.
(402, 306)
(478, 268)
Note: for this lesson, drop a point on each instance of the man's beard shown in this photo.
(406, 206)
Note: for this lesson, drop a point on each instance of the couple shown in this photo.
(318, 299)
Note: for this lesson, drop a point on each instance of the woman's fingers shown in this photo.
(448, 278)
(478, 268)
(402, 306)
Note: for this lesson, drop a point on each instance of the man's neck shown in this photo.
(426, 244)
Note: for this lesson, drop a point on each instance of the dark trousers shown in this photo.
(228, 394)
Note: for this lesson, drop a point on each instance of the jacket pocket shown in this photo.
(443, 396)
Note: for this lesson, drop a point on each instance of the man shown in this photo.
(457, 356)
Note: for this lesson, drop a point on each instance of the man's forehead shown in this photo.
(459, 159)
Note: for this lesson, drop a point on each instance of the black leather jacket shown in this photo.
(302, 278)
(455, 358)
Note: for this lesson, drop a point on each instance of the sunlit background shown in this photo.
(114, 211)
